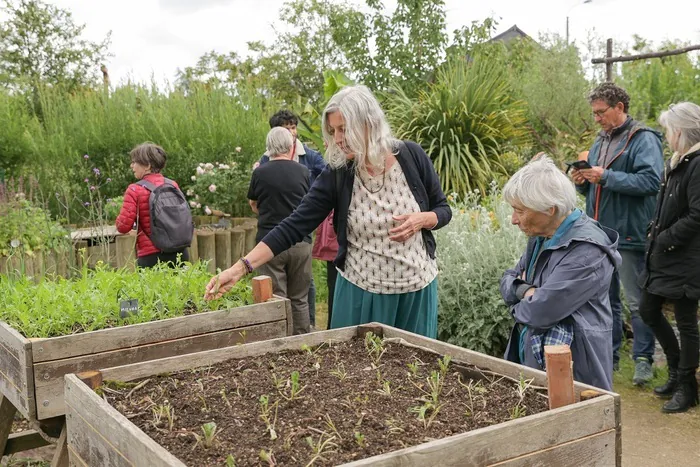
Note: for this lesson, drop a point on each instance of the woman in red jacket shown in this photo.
(147, 161)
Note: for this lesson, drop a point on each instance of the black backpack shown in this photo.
(171, 220)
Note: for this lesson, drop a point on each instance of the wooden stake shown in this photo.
(60, 457)
(206, 248)
(262, 289)
(237, 243)
(223, 249)
(194, 252)
(126, 251)
(91, 378)
(587, 394)
(560, 375)
(250, 230)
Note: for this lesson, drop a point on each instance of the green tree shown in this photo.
(40, 43)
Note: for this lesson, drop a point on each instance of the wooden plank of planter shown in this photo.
(104, 340)
(24, 441)
(7, 416)
(93, 421)
(222, 239)
(250, 231)
(16, 376)
(237, 243)
(211, 357)
(48, 376)
(126, 251)
(194, 254)
(560, 375)
(206, 249)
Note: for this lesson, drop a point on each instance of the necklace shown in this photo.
(362, 182)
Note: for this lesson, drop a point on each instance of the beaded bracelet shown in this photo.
(248, 266)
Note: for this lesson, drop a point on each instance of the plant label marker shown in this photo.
(128, 307)
(560, 375)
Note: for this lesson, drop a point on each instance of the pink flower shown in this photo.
(93, 188)
(212, 188)
(86, 157)
(207, 210)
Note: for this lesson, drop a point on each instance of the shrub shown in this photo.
(464, 120)
(220, 186)
(473, 252)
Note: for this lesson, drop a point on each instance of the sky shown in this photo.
(153, 38)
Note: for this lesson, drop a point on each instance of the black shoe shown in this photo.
(685, 396)
(666, 390)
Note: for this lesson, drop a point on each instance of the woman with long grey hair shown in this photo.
(387, 200)
(672, 266)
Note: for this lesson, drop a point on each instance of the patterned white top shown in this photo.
(374, 262)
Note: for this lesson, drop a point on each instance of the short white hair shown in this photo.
(541, 185)
(279, 142)
(367, 133)
(684, 118)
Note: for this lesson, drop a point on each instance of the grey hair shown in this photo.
(684, 118)
(367, 132)
(539, 186)
(279, 142)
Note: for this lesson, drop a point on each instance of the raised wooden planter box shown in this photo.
(32, 370)
(582, 433)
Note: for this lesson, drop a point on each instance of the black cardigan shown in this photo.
(333, 190)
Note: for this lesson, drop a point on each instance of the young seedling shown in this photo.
(266, 415)
(268, 457)
(444, 364)
(431, 399)
(163, 412)
(278, 382)
(204, 403)
(385, 390)
(223, 396)
(360, 439)
(320, 448)
(331, 426)
(474, 391)
(394, 428)
(230, 461)
(295, 388)
(307, 348)
(339, 372)
(208, 437)
(521, 390)
(375, 348)
(413, 369)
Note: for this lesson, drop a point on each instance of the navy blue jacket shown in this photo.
(313, 160)
(333, 191)
(626, 196)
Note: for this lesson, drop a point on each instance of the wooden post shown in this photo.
(126, 251)
(38, 264)
(206, 248)
(262, 289)
(236, 221)
(91, 378)
(250, 231)
(237, 243)
(223, 249)
(3, 264)
(62, 262)
(194, 252)
(609, 64)
(560, 375)
(588, 394)
(51, 263)
(28, 263)
(7, 416)
(60, 457)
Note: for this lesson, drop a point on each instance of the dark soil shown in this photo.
(344, 412)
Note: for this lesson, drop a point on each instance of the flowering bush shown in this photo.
(219, 187)
(473, 252)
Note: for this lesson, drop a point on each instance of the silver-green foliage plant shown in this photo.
(92, 301)
(474, 250)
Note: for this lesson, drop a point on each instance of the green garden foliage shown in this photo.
(91, 302)
(473, 252)
(464, 120)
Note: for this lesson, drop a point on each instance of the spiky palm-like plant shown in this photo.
(464, 120)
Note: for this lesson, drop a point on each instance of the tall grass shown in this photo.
(53, 134)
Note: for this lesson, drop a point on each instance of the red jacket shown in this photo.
(136, 208)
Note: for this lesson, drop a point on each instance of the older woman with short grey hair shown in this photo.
(387, 200)
(558, 291)
(672, 266)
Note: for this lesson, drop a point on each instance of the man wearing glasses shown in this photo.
(620, 190)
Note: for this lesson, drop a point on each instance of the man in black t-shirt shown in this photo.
(276, 189)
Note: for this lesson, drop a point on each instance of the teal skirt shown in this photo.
(414, 311)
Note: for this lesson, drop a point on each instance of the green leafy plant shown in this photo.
(208, 437)
(295, 387)
(320, 448)
(163, 412)
(519, 410)
(267, 416)
(230, 461)
(375, 348)
(464, 120)
(339, 372)
(360, 439)
(219, 187)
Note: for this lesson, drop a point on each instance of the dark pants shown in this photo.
(312, 300)
(684, 358)
(627, 275)
(171, 258)
(331, 275)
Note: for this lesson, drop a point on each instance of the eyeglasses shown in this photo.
(600, 113)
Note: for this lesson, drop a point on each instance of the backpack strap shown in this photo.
(147, 185)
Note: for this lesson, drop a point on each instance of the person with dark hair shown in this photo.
(620, 187)
(672, 266)
(147, 162)
(307, 157)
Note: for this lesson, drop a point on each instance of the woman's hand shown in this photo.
(578, 177)
(412, 224)
(224, 281)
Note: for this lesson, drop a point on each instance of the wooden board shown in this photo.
(16, 378)
(49, 375)
(56, 348)
(100, 435)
